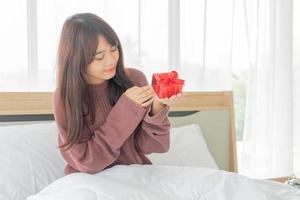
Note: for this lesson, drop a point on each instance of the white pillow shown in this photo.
(29, 159)
(187, 148)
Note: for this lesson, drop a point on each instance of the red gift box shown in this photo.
(167, 84)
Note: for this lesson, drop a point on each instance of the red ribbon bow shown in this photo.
(167, 84)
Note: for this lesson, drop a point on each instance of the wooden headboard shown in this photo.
(40, 103)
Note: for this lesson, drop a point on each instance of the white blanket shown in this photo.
(164, 182)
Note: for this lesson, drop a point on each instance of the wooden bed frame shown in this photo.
(40, 103)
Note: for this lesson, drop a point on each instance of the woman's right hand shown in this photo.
(143, 96)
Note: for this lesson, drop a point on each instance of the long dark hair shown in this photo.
(77, 47)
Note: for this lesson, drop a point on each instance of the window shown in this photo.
(13, 50)
(203, 40)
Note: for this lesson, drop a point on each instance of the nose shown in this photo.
(110, 59)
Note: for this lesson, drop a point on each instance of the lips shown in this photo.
(109, 70)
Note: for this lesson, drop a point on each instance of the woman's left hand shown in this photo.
(169, 101)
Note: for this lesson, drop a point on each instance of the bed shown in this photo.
(201, 122)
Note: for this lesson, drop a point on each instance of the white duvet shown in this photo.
(143, 182)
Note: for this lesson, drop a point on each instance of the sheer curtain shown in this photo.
(296, 83)
(193, 37)
(268, 147)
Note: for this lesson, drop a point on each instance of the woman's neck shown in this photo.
(92, 80)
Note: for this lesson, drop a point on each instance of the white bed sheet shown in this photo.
(164, 182)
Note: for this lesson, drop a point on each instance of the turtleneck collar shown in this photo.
(98, 86)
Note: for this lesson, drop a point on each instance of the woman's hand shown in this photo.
(159, 104)
(169, 101)
(143, 96)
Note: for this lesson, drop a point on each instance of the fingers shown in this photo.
(143, 89)
(179, 94)
(147, 103)
(141, 95)
(170, 100)
(148, 94)
(145, 93)
(149, 91)
(143, 99)
(175, 96)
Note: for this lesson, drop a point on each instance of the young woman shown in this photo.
(106, 114)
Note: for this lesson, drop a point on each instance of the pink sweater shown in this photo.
(121, 134)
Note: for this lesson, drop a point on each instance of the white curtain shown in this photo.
(268, 148)
(206, 44)
(296, 83)
(193, 37)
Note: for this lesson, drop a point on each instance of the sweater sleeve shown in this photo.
(154, 133)
(103, 146)
(153, 136)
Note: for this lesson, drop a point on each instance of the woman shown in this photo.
(106, 114)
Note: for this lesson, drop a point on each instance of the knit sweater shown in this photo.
(121, 134)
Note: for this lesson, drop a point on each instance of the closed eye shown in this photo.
(99, 56)
(114, 48)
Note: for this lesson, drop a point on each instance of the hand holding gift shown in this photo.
(167, 86)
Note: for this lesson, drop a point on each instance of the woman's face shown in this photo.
(103, 67)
